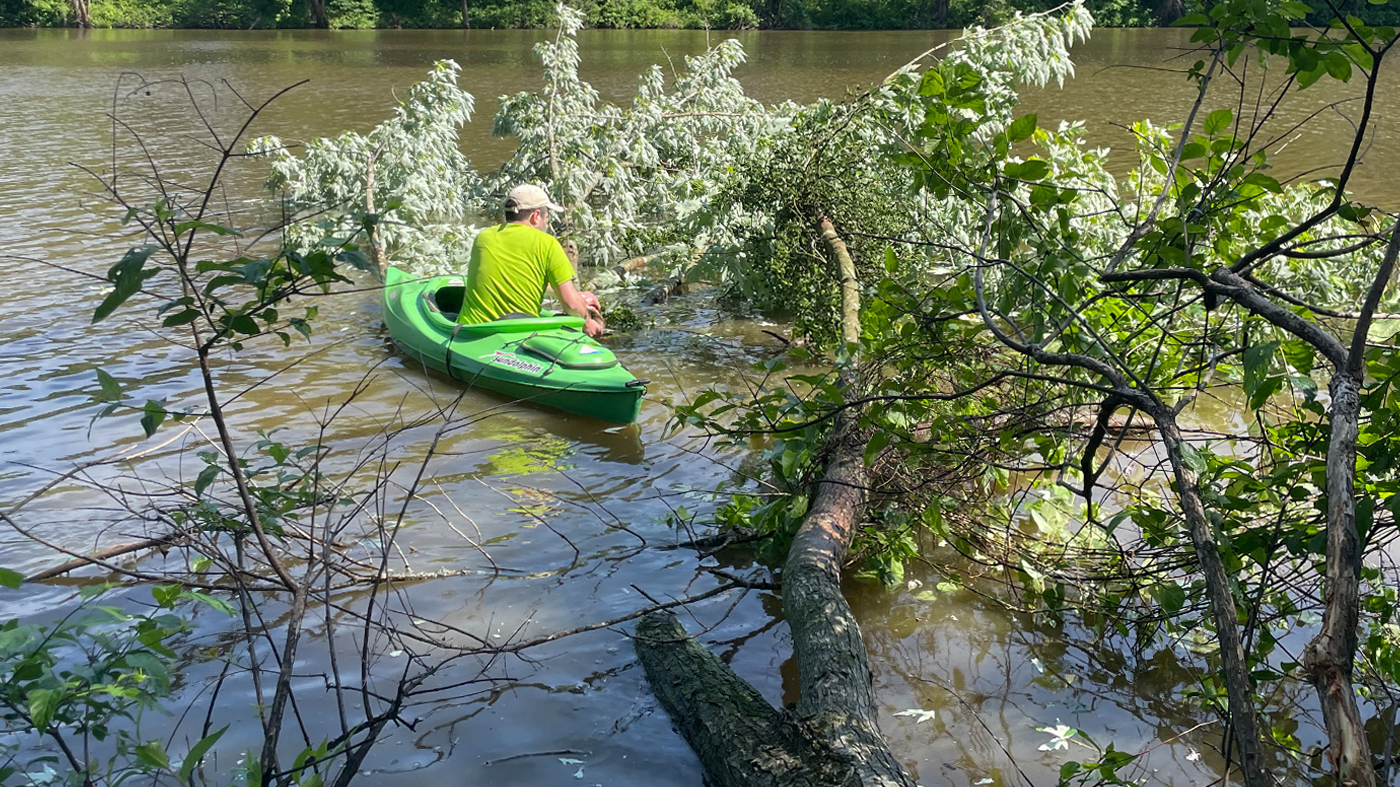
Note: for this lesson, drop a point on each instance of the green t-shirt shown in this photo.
(510, 267)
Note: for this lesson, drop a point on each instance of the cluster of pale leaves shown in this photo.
(650, 176)
(425, 191)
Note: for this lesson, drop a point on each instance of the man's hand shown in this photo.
(581, 304)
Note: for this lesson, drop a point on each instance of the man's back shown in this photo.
(511, 264)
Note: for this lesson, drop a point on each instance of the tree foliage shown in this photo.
(708, 14)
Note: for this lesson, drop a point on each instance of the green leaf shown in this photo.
(197, 752)
(42, 705)
(1265, 390)
(1300, 355)
(180, 318)
(1264, 182)
(186, 226)
(1353, 212)
(1339, 67)
(126, 277)
(1309, 77)
(1294, 9)
(242, 323)
(10, 579)
(1172, 597)
(1358, 53)
(357, 260)
(154, 416)
(152, 755)
(1192, 150)
(1022, 128)
(1035, 169)
(877, 443)
(1256, 365)
(1193, 458)
(213, 602)
(206, 477)
(932, 84)
(165, 595)
(252, 770)
(111, 389)
(157, 674)
(219, 282)
(1218, 121)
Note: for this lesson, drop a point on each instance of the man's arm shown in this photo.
(574, 303)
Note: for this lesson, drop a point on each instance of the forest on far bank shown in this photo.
(710, 14)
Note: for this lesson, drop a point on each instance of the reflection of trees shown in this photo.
(978, 663)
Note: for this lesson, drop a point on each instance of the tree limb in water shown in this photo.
(831, 736)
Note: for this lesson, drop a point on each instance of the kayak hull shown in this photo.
(546, 361)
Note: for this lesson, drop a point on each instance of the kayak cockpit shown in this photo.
(441, 303)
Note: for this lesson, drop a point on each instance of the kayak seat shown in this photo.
(570, 352)
(445, 300)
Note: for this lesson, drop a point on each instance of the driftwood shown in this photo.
(831, 736)
(676, 284)
(622, 270)
(96, 558)
(663, 291)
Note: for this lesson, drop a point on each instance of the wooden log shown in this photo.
(831, 736)
(739, 738)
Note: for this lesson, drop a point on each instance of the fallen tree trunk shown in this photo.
(831, 736)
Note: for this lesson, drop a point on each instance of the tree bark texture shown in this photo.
(1238, 686)
(850, 287)
(82, 13)
(1330, 655)
(831, 736)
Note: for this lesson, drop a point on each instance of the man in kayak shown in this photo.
(512, 263)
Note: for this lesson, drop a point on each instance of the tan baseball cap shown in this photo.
(528, 196)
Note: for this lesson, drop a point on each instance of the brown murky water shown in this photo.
(992, 676)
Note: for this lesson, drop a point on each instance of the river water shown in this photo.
(992, 676)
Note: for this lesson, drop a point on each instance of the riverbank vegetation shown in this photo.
(695, 14)
(999, 350)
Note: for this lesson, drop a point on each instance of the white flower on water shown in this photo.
(1059, 736)
(919, 716)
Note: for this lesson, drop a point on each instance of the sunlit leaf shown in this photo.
(1218, 121)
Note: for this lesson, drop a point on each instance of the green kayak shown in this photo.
(541, 360)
